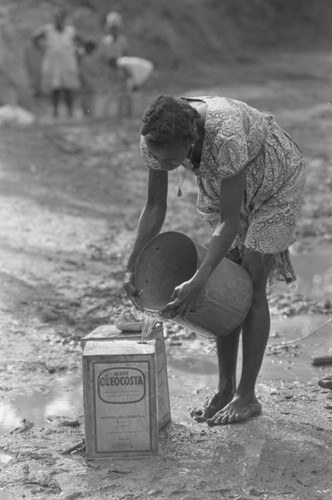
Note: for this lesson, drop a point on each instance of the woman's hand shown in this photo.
(131, 289)
(186, 297)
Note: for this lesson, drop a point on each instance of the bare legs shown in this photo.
(125, 105)
(227, 348)
(67, 95)
(228, 404)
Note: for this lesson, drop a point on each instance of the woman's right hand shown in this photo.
(130, 287)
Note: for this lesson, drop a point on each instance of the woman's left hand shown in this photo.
(186, 297)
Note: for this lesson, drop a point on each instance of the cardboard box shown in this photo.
(106, 332)
(120, 398)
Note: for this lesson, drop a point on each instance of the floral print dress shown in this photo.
(239, 137)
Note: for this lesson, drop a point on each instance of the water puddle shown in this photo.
(314, 272)
(5, 459)
(4, 495)
(193, 365)
(194, 370)
(63, 398)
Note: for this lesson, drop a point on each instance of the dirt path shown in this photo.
(70, 198)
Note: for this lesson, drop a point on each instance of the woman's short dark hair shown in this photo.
(169, 119)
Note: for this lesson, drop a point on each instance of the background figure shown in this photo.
(60, 72)
(89, 74)
(113, 45)
(134, 73)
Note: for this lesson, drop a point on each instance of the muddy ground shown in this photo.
(71, 194)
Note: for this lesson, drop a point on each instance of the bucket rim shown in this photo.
(161, 235)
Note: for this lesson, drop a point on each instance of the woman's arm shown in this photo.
(153, 214)
(231, 195)
(187, 296)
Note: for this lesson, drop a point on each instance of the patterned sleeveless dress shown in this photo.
(239, 137)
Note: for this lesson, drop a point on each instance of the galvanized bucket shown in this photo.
(171, 258)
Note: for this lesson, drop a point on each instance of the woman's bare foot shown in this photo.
(213, 404)
(237, 410)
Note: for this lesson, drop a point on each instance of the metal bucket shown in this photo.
(171, 258)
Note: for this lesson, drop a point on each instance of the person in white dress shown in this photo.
(60, 72)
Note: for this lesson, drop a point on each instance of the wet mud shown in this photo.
(71, 194)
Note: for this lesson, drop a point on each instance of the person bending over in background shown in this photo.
(250, 176)
(89, 76)
(134, 73)
(60, 72)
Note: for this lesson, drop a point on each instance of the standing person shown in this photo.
(134, 73)
(250, 178)
(60, 73)
(113, 45)
(89, 74)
